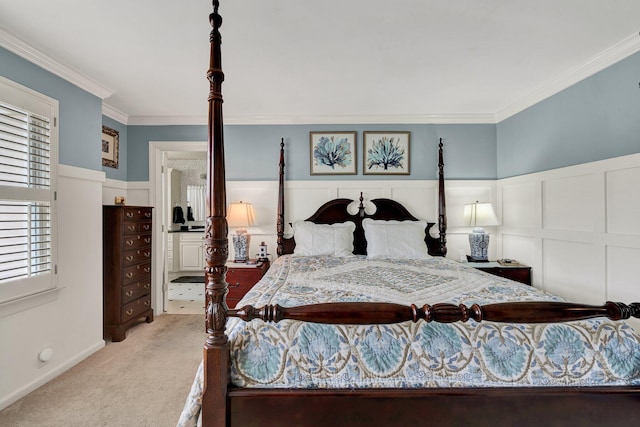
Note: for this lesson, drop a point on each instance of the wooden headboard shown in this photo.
(336, 211)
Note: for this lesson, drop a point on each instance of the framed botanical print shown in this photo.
(386, 153)
(332, 153)
(110, 142)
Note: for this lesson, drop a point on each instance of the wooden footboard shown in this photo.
(523, 407)
(374, 313)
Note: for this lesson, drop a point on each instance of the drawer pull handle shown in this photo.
(128, 293)
(129, 312)
(147, 269)
(146, 302)
(147, 254)
(129, 257)
(146, 227)
(147, 286)
(147, 214)
(129, 242)
(129, 214)
(147, 239)
(132, 228)
(129, 275)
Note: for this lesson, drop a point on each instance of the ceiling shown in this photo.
(332, 61)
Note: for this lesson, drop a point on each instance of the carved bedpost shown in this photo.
(442, 206)
(280, 219)
(216, 347)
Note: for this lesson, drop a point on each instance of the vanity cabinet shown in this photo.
(192, 251)
(126, 270)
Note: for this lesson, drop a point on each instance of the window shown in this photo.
(28, 162)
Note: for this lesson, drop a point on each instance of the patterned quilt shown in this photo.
(293, 354)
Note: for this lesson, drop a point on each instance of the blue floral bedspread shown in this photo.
(293, 354)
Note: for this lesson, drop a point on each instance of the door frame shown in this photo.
(157, 199)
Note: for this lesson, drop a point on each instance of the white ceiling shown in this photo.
(332, 61)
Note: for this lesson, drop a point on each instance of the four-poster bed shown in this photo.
(294, 402)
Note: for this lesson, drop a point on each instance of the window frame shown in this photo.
(34, 102)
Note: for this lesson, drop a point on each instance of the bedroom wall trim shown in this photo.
(38, 58)
(70, 322)
(619, 51)
(40, 381)
(577, 227)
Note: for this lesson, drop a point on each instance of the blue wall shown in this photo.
(252, 152)
(80, 121)
(595, 119)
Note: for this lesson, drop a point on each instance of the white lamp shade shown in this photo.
(480, 215)
(241, 215)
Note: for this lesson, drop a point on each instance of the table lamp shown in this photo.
(241, 215)
(479, 215)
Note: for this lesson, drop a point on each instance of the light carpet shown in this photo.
(141, 381)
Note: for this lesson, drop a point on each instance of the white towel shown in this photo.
(197, 199)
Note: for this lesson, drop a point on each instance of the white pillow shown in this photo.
(395, 239)
(323, 239)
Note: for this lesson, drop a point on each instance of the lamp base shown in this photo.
(241, 247)
(479, 243)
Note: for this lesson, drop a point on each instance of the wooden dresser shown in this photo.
(241, 278)
(126, 240)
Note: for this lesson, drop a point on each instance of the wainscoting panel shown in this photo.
(621, 273)
(521, 248)
(422, 201)
(568, 275)
(585, 247)
(521, 200)
(569, 203)
(623, 201)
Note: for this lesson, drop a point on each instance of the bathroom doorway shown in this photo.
(174, 297)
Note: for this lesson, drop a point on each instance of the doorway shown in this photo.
(164, 235)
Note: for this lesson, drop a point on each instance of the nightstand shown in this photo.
(241, 278)
(520, 273)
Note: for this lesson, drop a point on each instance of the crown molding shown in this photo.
(317, 120)
(47, 63)
(608, 57)
(167, 120)
(604, 59)
(114, 113)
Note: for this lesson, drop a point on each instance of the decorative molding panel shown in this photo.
(608, 57)
(623, 201)
(569, 203)
(38, 58)
(573, 270)
(588, 249)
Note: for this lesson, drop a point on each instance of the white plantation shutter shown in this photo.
(28, 159)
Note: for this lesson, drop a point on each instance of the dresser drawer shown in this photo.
(135, 291)
(137, 214)
(519, 274)
(241, 280)
(136, 256)
(237, 288)
(135, 308)
(137, 241)
(135, 272)
(130, 227)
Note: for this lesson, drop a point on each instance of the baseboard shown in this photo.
(39, 382)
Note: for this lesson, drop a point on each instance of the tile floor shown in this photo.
(185, 298)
